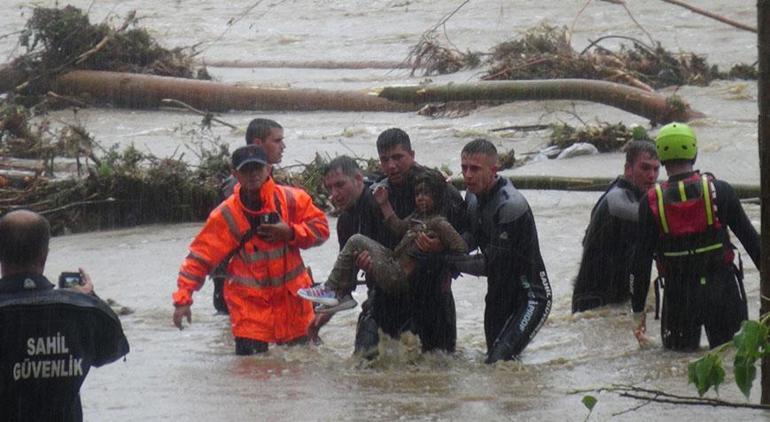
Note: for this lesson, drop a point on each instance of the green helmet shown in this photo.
(676, 141)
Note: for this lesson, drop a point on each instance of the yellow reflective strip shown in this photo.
(270, 281)
(682, 253)
(195, 257)
(250, 258)
(709, 248)
(704, 249)
(291, 203)
(682, 194)
(661, 209)
(707, 200)
(192, 277)
(231, 224)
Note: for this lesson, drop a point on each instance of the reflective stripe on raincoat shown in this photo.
(263, 278)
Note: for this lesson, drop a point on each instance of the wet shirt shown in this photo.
(729, 212)
(361, 218)
(50, 340)
(608, 248)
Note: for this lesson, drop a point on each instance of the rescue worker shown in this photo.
(518, 298)
(352, 198)
(609, 241)
(683, 222)
(269, 135)
(262, 226)
(428, 308)
(50, 337)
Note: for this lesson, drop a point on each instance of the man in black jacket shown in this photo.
(428, 308)
(610, 238)
(518, 297)
(683, 222)
(49, 338)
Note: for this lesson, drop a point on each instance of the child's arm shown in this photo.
(394, 224)
(450, 239)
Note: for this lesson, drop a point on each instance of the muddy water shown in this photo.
(193, 375)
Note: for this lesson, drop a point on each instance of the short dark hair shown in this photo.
(634, 149)
(348, 166)
(392, 137)
(432, 183)
(23, 239)
(260, 129)
(480, 146)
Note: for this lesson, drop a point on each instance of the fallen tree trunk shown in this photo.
(310, 64)
(656, 107)
(586, 184)
(147, 91)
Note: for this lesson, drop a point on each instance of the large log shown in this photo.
(309, 64)
(656, 107)
(147, 91)
(587, 184)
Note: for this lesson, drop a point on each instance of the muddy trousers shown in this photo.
(386, 272)
(716, 302)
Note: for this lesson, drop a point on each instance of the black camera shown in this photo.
(70, 279)
(269, 218)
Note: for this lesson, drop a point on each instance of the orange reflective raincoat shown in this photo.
(263, 278)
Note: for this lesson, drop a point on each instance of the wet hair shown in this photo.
(260, 129)
(432, 183)
(344, 164)
(480, 146)
(636, 148)
(24, 237)
(393, 137)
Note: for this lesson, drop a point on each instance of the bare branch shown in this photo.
(712, 15)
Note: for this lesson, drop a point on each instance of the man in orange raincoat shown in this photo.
(260, 229)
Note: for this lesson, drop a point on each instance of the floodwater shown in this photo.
(194, 375)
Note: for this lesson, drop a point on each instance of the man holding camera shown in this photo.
(50, 338)
(259, 230)
(268, 134)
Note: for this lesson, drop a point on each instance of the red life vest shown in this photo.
(691, 235)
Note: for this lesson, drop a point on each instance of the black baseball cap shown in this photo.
(249, 154)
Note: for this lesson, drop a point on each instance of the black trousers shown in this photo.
(716, 302)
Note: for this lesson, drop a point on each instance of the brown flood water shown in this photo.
(193, 374)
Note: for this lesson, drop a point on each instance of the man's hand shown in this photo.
(179, 313)
(364, 261)
(640, 320)
(278, 232)
(87, 287)
(428, 244)
(380, 195)
(315, 325)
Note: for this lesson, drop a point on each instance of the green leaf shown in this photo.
(589, 402)
(745, 373)
(706, 372)
(751, 339)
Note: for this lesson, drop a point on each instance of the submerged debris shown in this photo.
(545, 52)
(58, 40)
(604, 136)
(435, 59)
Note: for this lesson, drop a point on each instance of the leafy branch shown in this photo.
(750, 344)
